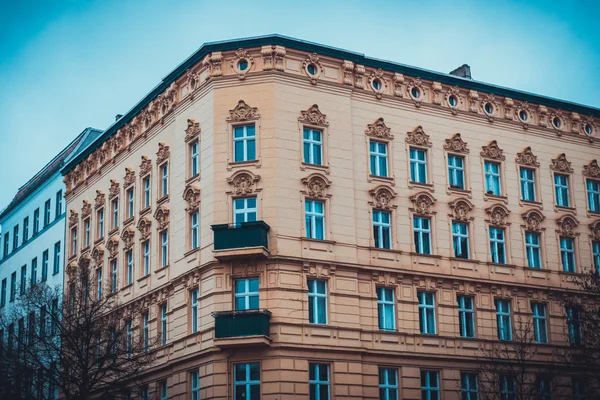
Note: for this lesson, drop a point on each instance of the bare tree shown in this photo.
(79, 343)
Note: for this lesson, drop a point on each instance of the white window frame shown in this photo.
(129, 258)
(114, 270)
(163, 323)
(561, 189)
(115, 213)
(456, 171)
(568, 259)
(164, 179)
(164, 248)
(431, 392)
(458, 237)
(313, 296)
(245, 138)
(384, 383)
(73, 240)
(145, 330)
(194, 294)
(311, 217)
(496, 243)
(241, 215)
(194, 158)
(533, 248)
(385, 301)
(314, 146)
(466, 306)
(507, 387)
(493, 179)
(100, 215)
(378, 154)
(379, 228)
(422, 234)
(527, 183)
(99, 283)
(195, 384)
(427, 307)
(147, 182)
(317, 383)
(130, 202)
(540, 327)
(416, 164)
(503, 319)
(593, 195)
(195, 229)
(87, 223)
(246, 294)
(468, 392)
(246, 382)
(146, 256)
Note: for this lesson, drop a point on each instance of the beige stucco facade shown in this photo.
(280, 96)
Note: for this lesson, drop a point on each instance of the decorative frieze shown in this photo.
(163, 153)
(115, 188)
(595, 228)
(100, 200)
(127, 236)
(461, 209)
(73, 218)
(192, 131)
(129, 178)
(145, 166)
(242, 56)
(423, 203)
(592, 170)
(161, 215)
(113, 247)
(347, 73)
(567, 225)
(313, 59)
(98, 255)
(144, 225)
(191, 195)
(213, 62)
(86, 209)
(498, 215)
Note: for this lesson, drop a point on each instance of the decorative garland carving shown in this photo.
(423, 202)
(490, 98)
(533, 220)
(127, 236)
(313, 116)
(461, 209)
(567, 225)
(492, 151)
(240, 55)
(316, 185)
(144, 225)
(398, 82)
(359, 76)
(592, 170)
(130, 131)
(456, 144)
(313, 58)
(100, 200)
(129, 178)
(86, 209)
(213, 61)
(418, 137)
(383, 197)
(347, 68)
(193, 130)
(379, 129)
(113, 247)
(191, 195)
(595, 227)
(561, 164)
(243, 182)
(147, 117)
(98, 255)
(377, 74)
(163, 153)
(73, 218)
(243, 112)
(161, 215)
(526, 157)
(436, 89)
(454, 91)
(416, 83)
(145, 166)
(114, 188)
(498, 214)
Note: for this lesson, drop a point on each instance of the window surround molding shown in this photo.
(100, 200)
(86, 215)
(378, 131)
(241, 115)
(191, 195)
(532, 223)
(423, 202)
(242, 55)
(129, 184)
(313, 118)
(493, 153)
(113, 194)
(73, 224)
(113, 248)
(144, 226)
(100, 205)
(498, 217)
(161, 215)
(591, 171)
(127, 237)
(163, 156)
(316, 188)
(461, 213)
(418, 139)
(383, 199)
(98, 256)
(456, 146)
(243, 183)
(487, 99)
(454, 91)
(524, 107)
(560, 165)
(566, 228)
(145, 172)
(314, 60)
(526, 159)
(192, 134)
(595, 230)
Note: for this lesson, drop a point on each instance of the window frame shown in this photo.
(379, 227)
(146, 256)
(428, 182)
(56, 259)
(450, 171)
(100, 223)
(129, 263)
(163, 246)
(568, 188)
(424, 307)
(500, 176)
(247, 294)
(420, 231)
(114, 214)
(244, 139)
(503, 318)
(493, 244)
(387, 387)
(531, 248)
(524, 182)
(463, 323)
(592, 195)
(317, 382)
(163, 310)
(309, 159)
(466, 380)
(247, 382)
(194, 309)
(194, 158)
(58, 204)
(428, 389)
(246, 211)
(313, 298)
(146, 188)
(130, 199)
(314, 216)
(87, 233)
(195, 229)
(539, 312)
(461, 237)
(564, 251)
(378, 156)
(383, 303)
(195, 384)
(164, 181)
(47, 212)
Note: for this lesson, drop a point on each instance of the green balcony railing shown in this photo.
(241, 323)
(245, 234)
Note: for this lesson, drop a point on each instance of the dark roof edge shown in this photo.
(302, 45)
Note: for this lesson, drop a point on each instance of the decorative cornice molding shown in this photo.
(243, 182)
(383, 196)
(492, 151)
(526, 157)
(379, 129)
(418, 137)
(592, 170)
(456, 144)
(316, 185)
(243, 112)
(561, 164)
(313, 116)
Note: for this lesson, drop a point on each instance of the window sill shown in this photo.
(192, 179)
(162, 200)
(458, 191)
(436, 256)
(145, 211)
(529, 203)
(99, 241)
(240, 164)
(317, 167)
(190, 252)
(113, 231)
(419, 185)
(493, 264)
(143, 278)
(129, 221)
(564, 209)
(392, 250)
(319, 240)
(72, 257)
(127, 286)
(468, 260)
(384, 179)
(156, 271)
(495, 197)
(85, 250)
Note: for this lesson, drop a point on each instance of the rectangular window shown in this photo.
(15, 237)
(163, 324)
(561, 189)
(460, 239)
(128, 337)
(115, 213)
(388, 384)
(87, 233)
(25, 229)
(427, 313)
(318, 381)
(317, 301)
(147, 193)
(507, 387)
(164, 248)
(99, 284)
(244, 210)
(246, 294)
(497, 245)
(492, 178)
(533, 249)
(540, 330)
(130, 202)
(573, 326)
(23, 285)
(418, 165)
(386, 309)
(430, 385)
(73, 241)
(114, 267)
(382, 229)
(466, 316)
(596, 255)
(45, 258)
(244, 143)
(246, 381)
(13, 286)
(313, 146)
(129, 257)
(593, 192)
(578, 388)
(194, 310)
(567, 254)
(33, 271)
(164, 180)
(378, 158)
(194, 159)
(6, 245)
(163, 391)
(100, 226)
(146, 257)
(456, 171)
(145, 330)
(3, 293)
(544, 388)
(422, 234)
(503, 319)
(36, 221)
(47, 213)
(468, 386)
(527, 177)
(315, 219)
(195, 229)
(58, 205)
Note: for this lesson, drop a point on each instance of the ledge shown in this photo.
(244, 252)
(243, 341)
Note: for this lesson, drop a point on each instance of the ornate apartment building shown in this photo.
(305, 221)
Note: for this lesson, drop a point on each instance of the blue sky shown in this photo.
(66, 65)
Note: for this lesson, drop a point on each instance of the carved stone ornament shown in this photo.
(595, 228)
(377, 74)
(592, 170)
(423, 202)
(129, 178)
(161, 215)
(243, 182)
(144, 225)
(567, 225)
(533, 220)
(145, 166)
(561, 164)
(130, 131)
(100, 200)
(491, 99)
(383, 197)
(114, 188)
(243, 112)
(492, 151)
(398, 80)
(86, 209)
(454, 91)
(416, 84)
(526, 157)
(83, 262)
(127, 237)
(113, 247)
(213, 61)
(73, 217)
(347, 68)
(242, 55)
(359, 76)
(98, 255)
(418, 137)
(456, 144)
(379, 129)
(147, 116)
(498, 214)
(313, 116)
(461, 209)
(191, 195)
(163, 153)
(316, 185)
(313, 59)
(193, 130)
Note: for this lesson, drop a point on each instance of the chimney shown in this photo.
(464, 71)
(118, 117)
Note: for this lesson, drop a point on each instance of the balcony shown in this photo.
(248, 239)
(242, 328)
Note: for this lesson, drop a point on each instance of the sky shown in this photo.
(66, 65)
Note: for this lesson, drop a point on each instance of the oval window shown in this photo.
(488, 108)
(243, 65)
(588, 129)
(415, 92)
(312, 69)
(452, 101)
(523, 115)
(376, 84)
(556, 122)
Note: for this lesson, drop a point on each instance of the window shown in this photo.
(34, 271)
(164, 180)
(58, 204)
(246, 294)
(573, 326)
(129, 257)
(593, 192)
(244, 210)
(147, 193)
(128, 338)
(74, 241)
(567, 254)
(164, 248)
(456, 171)
(492, 178)
(113, 275)
(6, 244)
(378, 157)
(162, 389)
(163, 324)
(497, 245)
(145, 393)
(540, 331)
(194, 310)
(86, 233)
(527, 176)
(146, 257)
(466, 316)
(45, 258)
(317, 301)
(246, 381)
(507, 388)
(315, 219)
(385, 308)
(36, 221)
(430, 385)
(596, 255)
(99, 284)
(544, 388)
(195, 229)
(418, 165)
(318, 380)
(13, 285)
(561, 189)
(313, 146)
(15, 237)
(427, 313)
(47, 213)
(244, 143)
(115, 213)
(422, 233)
(503, 319)
(194, 159)
(460, 239)
(23, 282)
(533, 249)
(382, 229)
(388, 384)
(3, 294)
(145, 329)
(25, 229)
(578, 387)
(468, 386)
(100, 223)
(130, 202)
